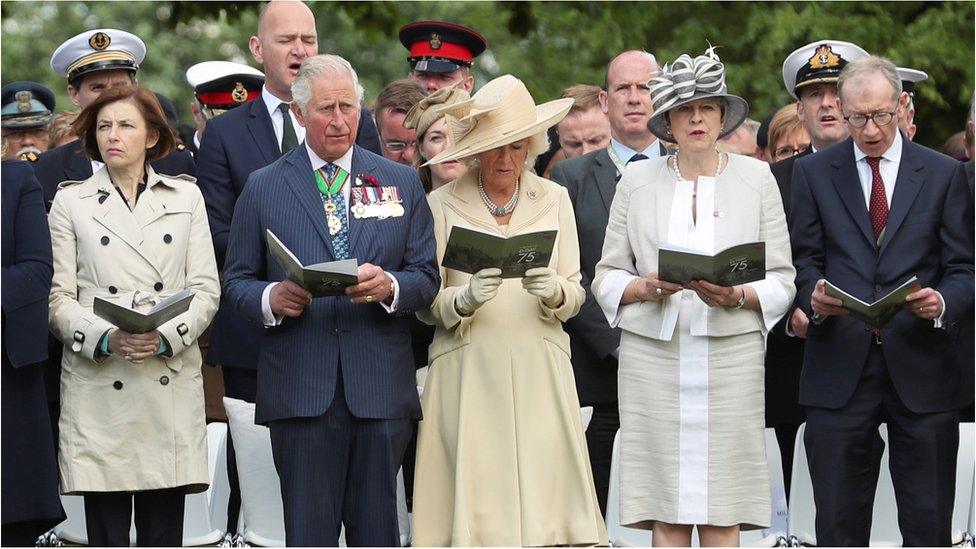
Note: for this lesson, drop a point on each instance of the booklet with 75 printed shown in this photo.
(322, 279)
(470, 251)
(734, 265)
(878, 313)
(126, 318)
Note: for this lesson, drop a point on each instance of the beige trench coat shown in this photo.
(124, 426)
(501, 458)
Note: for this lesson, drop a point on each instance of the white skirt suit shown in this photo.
(692, 448)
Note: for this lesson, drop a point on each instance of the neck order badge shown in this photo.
(330, 180)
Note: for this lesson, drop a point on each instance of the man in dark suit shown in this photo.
(235, 144)
(868, 214)
(30, 474)
(336, 381)
(92, 62)
(810, 75)
(591, 180)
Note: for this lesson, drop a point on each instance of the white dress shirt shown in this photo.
(625, 153)
(344, 162)
(272, 102)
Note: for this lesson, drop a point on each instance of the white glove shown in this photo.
(481, 288)
(542, 283)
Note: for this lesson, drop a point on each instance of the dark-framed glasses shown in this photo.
(786, 151)
(398, 146)
(882, 118)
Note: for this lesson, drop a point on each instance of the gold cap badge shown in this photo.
(824, 58)
(435, 41)
(239, 94)
(23, 101)
(99, 41)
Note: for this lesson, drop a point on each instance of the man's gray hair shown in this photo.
(867, 65)
(321, 65)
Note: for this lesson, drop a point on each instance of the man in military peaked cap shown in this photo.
(220, 86)
(906, 117)
(810, 75)
(27, 110)
(92, 62)
(441, 53)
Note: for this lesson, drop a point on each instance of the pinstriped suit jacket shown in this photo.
(298, 363)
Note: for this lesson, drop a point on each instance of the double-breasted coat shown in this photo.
(125, 426)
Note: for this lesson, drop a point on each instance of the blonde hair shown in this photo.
(60, 128)
(782, 126)
(584, 96)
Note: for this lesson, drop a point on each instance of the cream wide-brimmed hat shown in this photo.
(686, 80)
(431, 108)
(500, 113)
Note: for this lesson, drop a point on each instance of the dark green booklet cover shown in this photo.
(470, 251)
(734, 265)
(322, 279)
(878, 313)
(124, 317)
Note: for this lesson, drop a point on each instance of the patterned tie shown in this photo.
(340, 240)
(878, 210)
(289, 139)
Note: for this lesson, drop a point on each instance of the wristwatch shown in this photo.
(740, 303)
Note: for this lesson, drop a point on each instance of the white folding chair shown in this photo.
(586, 414)
(261, 507)
(198, 520)
(803, 512)
(621, 536)
(965, 468)
(403, 518)
(72, 529)
(970, 539)
(885, 531)
(776, 534)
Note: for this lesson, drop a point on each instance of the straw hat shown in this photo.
(500, 113)
(686, 80)
(431, 108)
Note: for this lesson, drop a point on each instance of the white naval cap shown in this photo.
(910, 77)
(98, 50)
(223, 84)
(209, 71)
(817, 62)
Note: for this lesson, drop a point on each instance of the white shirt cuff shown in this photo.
(939, 321)
(611, 291)
(270, 319)
(392, 307)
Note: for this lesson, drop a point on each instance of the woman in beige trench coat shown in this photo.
(501, 458)
(132, 410)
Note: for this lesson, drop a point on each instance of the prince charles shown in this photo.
(335, 375)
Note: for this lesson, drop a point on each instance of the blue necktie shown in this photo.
(340, 240)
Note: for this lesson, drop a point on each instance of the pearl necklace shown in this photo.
(494, 209)
(718, 169)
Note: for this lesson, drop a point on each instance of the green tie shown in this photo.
(288, 138)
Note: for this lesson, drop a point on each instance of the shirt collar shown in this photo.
(344, 161)
(625, 153)
(271, 101)
(893, 154)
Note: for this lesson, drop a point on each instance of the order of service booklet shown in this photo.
(470, 251)
(876, 314)
(139, 322)
(322, 279)
(734, 265)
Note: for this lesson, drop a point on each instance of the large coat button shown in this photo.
(164, 380)
(158, 286)
(167, 238)
(113, 290)
(104, 241)
(102, 198)
(117, 385)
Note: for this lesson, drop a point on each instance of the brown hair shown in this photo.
(782, 126)
(148, 106)
(399, 96)
(60, 128)
(584, 96)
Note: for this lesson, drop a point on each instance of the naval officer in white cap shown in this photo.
(218, 87)
(92, 62)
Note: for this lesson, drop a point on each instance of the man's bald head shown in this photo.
(286, 37)
(631, 56)
(626, 98)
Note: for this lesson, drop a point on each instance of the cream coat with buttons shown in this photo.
(124, 426)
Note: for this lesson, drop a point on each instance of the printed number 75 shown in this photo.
(738, 265)
(525, 257)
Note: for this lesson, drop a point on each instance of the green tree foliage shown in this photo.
(549, 45)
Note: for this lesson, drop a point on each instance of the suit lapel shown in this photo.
(300, 180)
(113, 214)
(907, 185)
(361, 165)
(262, 131)
(605, 175)
(847, 183)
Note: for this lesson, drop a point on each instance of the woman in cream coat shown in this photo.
(132, 418)
(691, 359)
(501, 458)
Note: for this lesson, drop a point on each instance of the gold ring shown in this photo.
(369, 299)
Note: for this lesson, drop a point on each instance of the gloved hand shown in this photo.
(542, 283)
(481, 288)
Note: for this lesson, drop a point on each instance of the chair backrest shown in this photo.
(261, 506)
(199, 524)
(965, 468)
(884, 522)
(218, 495)
(779, 521)
(620, 536)
(802, 516)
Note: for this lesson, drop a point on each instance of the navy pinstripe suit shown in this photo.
(339, 367)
